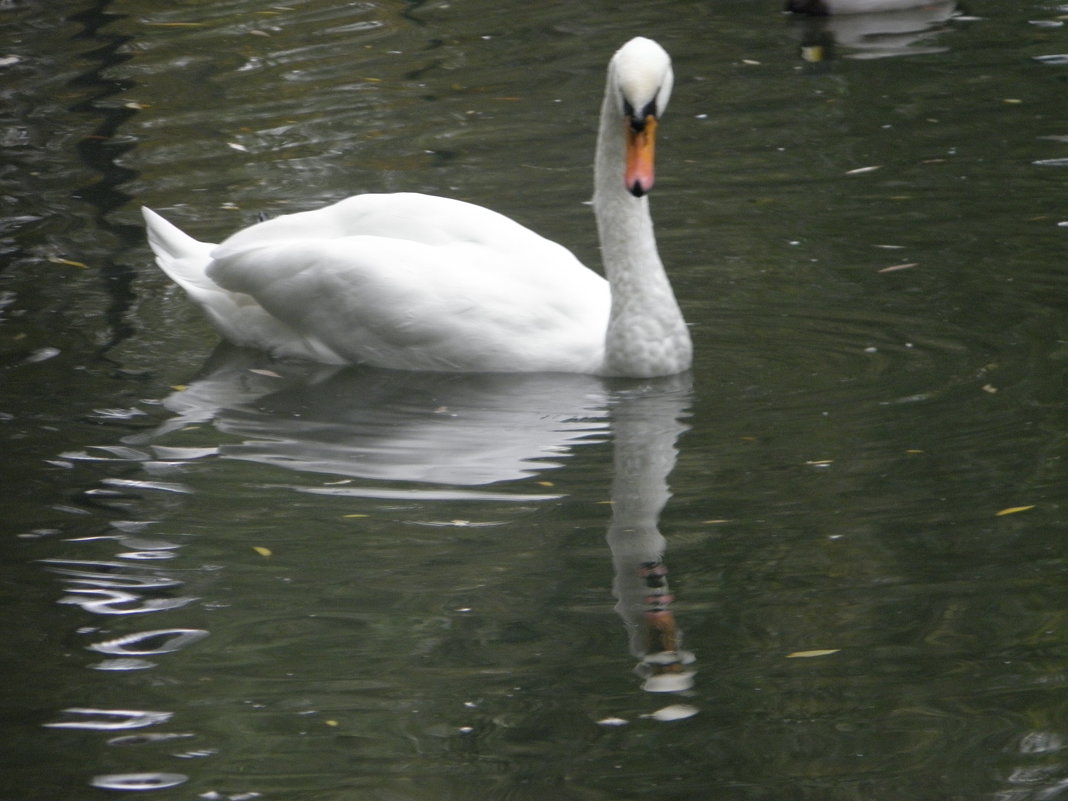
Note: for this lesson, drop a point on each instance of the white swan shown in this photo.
(418, 282)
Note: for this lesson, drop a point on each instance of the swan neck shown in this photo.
(646, 334)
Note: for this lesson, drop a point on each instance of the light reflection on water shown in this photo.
(279, 580)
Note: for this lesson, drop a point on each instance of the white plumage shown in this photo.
(418, 282)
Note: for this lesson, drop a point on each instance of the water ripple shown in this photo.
(120, 665)
(161, 486)
(105, 579)
(437, 494)
(107, 602)
(110, 719)
(139, 781)
(167, 641)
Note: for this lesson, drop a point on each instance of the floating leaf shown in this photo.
(261, 550)
(894, 268)
(352, 517)
(812, 654)
(1013, 510)
(331, 722)
(68, 262)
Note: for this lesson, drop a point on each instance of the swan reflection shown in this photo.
(646, 425)
(454, 431)
(903, 32)
(427, 428)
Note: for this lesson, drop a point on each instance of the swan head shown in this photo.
(642, 79)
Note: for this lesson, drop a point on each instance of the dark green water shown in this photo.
(225, 578)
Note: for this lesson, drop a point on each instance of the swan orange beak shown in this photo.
(641, 145)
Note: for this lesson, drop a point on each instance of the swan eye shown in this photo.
(637, 119)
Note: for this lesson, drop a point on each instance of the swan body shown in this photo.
(418, 282)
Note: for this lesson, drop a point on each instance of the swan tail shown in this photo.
(181, 257)
(235, 315)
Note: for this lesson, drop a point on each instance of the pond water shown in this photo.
(831, 563)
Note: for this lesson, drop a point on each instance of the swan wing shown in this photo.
(438, 285)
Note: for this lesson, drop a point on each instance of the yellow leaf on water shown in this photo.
(68, 262)
(179, 387)
(545, 483)
(261, 550)
(812, 654)
(331, 722)
(1013, 510)
(350, 517)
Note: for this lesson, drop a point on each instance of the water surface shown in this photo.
(232, 578)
